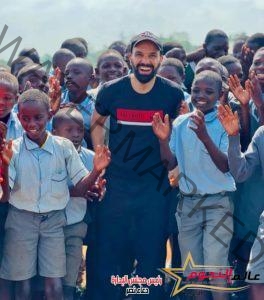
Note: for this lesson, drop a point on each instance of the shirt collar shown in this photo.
(211, 116)
(88, 99)
(13, 118)
(47, 146)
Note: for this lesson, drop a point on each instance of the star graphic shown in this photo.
(178, 288)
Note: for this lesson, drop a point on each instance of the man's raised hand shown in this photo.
(160, 128)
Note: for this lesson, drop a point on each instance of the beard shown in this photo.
(143, 78)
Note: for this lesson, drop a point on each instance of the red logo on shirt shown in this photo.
(136, 117)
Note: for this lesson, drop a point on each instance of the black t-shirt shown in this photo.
(132, 142)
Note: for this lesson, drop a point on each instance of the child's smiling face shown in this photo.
(205, 93)
(111, 67)
(34, 116)
(258, 66)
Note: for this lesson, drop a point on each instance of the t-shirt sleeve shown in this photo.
(75, 168)
(102, 102)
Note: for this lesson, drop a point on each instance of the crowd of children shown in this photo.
(52, 169)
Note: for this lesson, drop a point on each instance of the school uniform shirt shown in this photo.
(14, 128)
(86, 108)
(198, 173)
(38, 175)
(93, 92)
(76, 207)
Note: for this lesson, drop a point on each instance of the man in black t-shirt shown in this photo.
(137, 183)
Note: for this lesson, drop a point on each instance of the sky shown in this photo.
(44, 24)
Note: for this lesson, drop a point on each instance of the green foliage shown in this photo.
(180, 37)
(237, 36)
(3, 62)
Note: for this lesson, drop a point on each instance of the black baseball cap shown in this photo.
(146, 36)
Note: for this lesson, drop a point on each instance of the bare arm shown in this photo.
(6, 155)
(218, 157)
(166, 155)
(98, 129)
(5, 184)
(243, 96)
(85, 183)
(101, 160)
(241, 165)
(162, 131)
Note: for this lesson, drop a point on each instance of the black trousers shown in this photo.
(127, 228)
